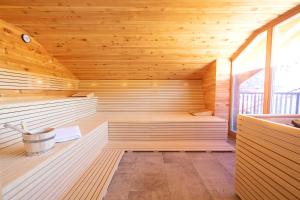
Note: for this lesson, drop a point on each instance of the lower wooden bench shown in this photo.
(94, 182)
(40, 177)
(174, 145)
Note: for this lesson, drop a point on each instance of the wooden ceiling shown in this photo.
(141, 39)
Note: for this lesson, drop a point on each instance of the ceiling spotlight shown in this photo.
(25, 38)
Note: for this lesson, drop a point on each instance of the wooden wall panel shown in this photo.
(30, 57)
(216, 87)
(27, 70)
(41, 114)
(19, 80)
(138, 39)
(209, 86)
(222, 95)
(144, 95)
(267, 164)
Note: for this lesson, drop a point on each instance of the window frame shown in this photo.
(268, 69)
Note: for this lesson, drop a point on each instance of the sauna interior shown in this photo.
(150, 99)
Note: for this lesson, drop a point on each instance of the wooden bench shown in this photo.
(55, 172)
(41, 113)
(166, 131)
(94, 182)
(82, 169)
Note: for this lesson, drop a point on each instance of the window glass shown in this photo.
(285, 63)
(248, 75)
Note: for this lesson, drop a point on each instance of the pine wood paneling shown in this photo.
(138, 39)
(222, 95)
(27, 67)
(209, 86)
(41, 114)
(267, 165)
(29, 94)
(29, 57)
(146, 95)
(19, 80)
(216, 87)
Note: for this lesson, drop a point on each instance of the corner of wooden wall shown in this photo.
(216, 87)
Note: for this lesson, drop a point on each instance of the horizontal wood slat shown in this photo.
(172, 131)
(94, 182)
(268, 164)
(171, 145)
(42, 114)
(145, 95)
(143, 131)
(48, 176)
(17, 80)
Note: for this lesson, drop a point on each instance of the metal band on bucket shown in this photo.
(38, 141)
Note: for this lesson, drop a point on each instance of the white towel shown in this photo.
(67, 133)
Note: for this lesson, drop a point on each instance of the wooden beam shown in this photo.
(268, 73)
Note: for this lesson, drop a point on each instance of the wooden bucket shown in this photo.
(39, 142)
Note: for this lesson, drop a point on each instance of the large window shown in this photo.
(266, 74)
(285, 98)
(248, 75)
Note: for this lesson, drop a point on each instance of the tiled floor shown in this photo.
(174, 176)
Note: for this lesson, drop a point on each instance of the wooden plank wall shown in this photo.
(26, 69)
(30, 57)
(222, 94)
(216, 87)
(42, 114)
(146, 95)
(268, 161)
(141, 39)
(209, 86)
(18, 80)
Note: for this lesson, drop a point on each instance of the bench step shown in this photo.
(174, 145)
(94, 182)
(48, 175)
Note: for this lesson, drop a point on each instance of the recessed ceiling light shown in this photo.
(25, 38)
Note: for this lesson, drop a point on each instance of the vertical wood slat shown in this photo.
(146, 95)
(267, 157)
(216, 87)
(268, 72)
(12, 79)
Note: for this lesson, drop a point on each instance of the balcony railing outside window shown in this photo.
(282, 103)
